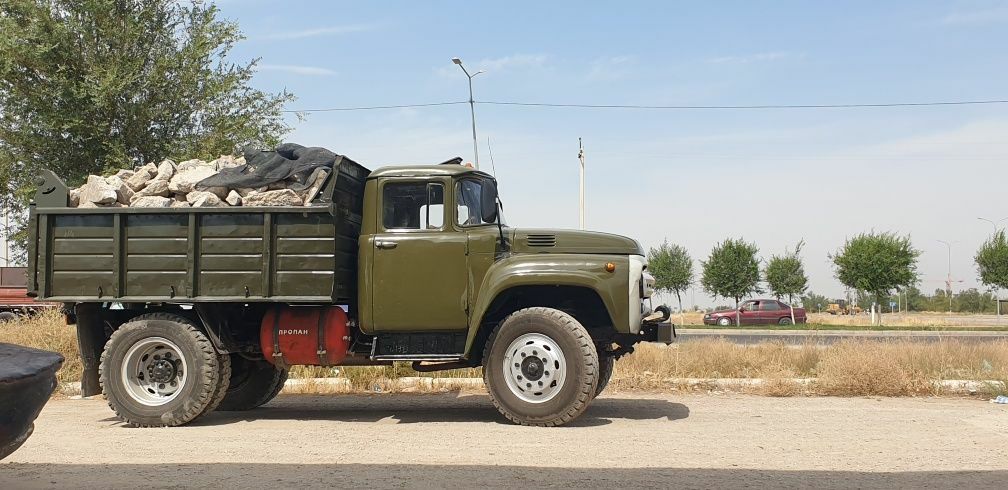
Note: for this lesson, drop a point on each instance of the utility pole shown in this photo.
(581, 200)
(472, 108)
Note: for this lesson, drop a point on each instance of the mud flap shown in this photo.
(91, 341)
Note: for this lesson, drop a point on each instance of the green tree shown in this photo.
(876, 263)
(814, 302)
(672, 268)
(732, 271)
(785, 275)
(89, 86)
(992, 264)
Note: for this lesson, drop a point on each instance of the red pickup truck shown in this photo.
(756, 312)
(14, 300)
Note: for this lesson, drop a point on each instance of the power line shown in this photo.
(377, 107)
(663, 107)
(732, 107)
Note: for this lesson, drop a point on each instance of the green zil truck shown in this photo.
(182, 311)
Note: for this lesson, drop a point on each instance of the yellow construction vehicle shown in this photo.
(842, 308)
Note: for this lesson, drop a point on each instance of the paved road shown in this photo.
(459, 441)
(752, 336)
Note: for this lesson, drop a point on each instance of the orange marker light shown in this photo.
(609, 267)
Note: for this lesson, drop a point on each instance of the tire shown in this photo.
(224, 368)
(606, 364)
(565, 344)
(7, 316)
(252, 384)
(724, 321)
(784, 321)
(138, 399)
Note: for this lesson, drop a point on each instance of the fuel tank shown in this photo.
(305, 335)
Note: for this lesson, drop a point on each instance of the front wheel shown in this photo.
(541, 367)
(724, 321)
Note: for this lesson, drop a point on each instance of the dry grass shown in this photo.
(847, 368)
(47, 330)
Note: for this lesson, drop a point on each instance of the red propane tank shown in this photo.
(309, 335)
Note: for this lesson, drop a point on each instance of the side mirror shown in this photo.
(488, 201)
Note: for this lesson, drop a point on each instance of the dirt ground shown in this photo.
(459, 441)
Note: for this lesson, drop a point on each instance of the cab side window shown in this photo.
(467, 200)
(769, 306)
(413, 206)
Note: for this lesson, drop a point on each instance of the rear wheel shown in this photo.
(606, 365)
(784, 321)
(159, 370)
(253, 383)
(541, 367)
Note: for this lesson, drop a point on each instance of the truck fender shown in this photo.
(580, 270)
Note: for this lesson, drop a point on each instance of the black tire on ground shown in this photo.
(580, 376)
(224, 368)
(606, 364)
(253, 383)
(724, 322)
(784, 321)
(7, 316)
(194, 394)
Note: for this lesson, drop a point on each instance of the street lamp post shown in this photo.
(993, 223)
(948, 282)
(472, 108)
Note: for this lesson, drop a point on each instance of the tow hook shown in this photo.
(654, 326)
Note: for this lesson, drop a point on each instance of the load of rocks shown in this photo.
(168, 184)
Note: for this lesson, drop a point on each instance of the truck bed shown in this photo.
(276, 254)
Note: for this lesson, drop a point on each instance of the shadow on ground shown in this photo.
(408, 409)
(272, 476)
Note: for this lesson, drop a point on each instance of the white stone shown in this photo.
(154, 188)
(233, 198)
(191, 164)
(97, 191)
(316, 180)
(139, 178)
(206, 200)
(152, 202)
(74, 197)
(165, 170)
(124, 174)
(185, 181)
(123, 192)
(281, 197)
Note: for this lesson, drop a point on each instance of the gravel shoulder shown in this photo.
(459, 440)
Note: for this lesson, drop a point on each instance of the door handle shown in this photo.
(385, 244)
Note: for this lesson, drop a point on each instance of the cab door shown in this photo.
(419, 279)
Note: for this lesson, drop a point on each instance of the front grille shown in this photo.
(541, 240)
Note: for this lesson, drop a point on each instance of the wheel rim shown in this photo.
(534, 368)
(724, 321)
(154, 371)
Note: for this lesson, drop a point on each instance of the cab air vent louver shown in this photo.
(542, 240)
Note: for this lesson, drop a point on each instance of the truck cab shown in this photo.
(405, 263)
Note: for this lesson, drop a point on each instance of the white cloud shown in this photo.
(319, 32)
(611, 67)
(299, 70)
(498, 65)
(753, 58)
(983, 16)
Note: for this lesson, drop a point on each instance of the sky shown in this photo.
(694, 177)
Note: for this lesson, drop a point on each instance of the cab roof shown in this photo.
(444, 169)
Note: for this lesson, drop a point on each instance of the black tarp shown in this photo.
(262, 168)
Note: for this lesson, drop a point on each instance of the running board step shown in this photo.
(437, 346)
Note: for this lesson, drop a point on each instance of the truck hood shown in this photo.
(571, 241)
